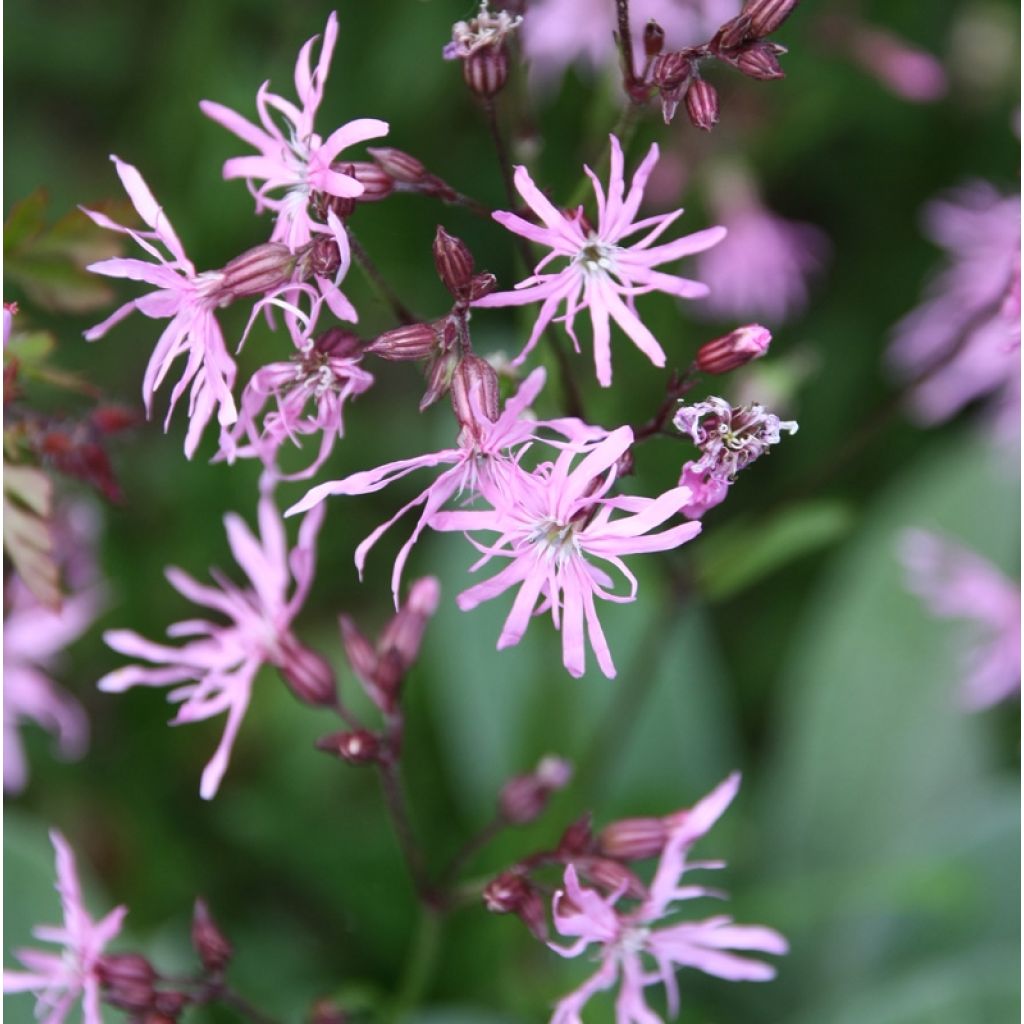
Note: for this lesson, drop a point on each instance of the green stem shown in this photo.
(419, 966)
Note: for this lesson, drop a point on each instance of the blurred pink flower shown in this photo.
(480, 458)
(557, 33)
(638, 955)
(730, 439)
(764, 266)
(963, 341)
(224, 659)
(59, 980)
(958, 584)
(602, 275)
(186, 298)
(554, 526)
(309, 392)
(909, 72)
(297, 163)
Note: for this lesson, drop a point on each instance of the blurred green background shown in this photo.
(877, 826)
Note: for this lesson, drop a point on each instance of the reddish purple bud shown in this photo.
(480, 285)
(404, 633)
(512, 893)
(358, 650)
(377, 183)
(308, 675)
(323, 257)
(112, 419)
(454, 262)
(654, 38)
(733, 350)
(439, 377)
(610, 875)
(633, 838)
(524, 797)
(475, 395)
(412, 341)
(577, 839)
(760, 60)
(338, 342)
(733, 33)
(357, 747)
(486, 71)
(702, 104)
(167, 1006)
(670, 69)
(398, 165)
(767, 15)
(625, 464)
(209, 942)
(127, 980)
(258, 270)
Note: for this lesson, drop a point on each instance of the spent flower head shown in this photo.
(603, 273)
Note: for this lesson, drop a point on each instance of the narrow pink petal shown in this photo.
(237, 125)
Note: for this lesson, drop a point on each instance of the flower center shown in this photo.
(557, 540)
(596, 256)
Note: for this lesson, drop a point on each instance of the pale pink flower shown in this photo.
(730, 439)
(223, 659)
(555, 527)
(184, 297)
(764, 267)
(634, 953)
(479, 458)
(34, 636)
(308, 393)
(602, 275)
(963, 341)
(557, 33)
(911, 73)
(295, 164)
(60, 979)
(958, 584)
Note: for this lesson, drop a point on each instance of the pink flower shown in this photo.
(730, 439)
(59, 980)
(601, 275)
(309, 392)
(963, 341)
(638, 955)
(295, 163)
(224, 659)
(958, 584)
(765, 265)
(905, 70)
(555, 526)
(184, 297)
(480, 458)
(557, 33)
(34, 636)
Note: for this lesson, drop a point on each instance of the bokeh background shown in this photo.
(878, 825)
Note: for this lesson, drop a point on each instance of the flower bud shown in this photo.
(576, 839)
(633, 839)
(733, 33)
(412, 341)
(702, 104)
(475, 395)
(323, 258)
(733, 350)
(403, 635)
(167, 1006)
(258, 270)
(512, 893)
(357, 747)
(654, 38)
(308, 675)
(338, 342)
(377, 183)
(486, 71)
(767, 15)
(358, 650)
(454, 262)
(127, 980)
(439, 377)
(480, 285)
(760, 60)
(610, 875)
(524, 797)
(398, 165)
(209, 942)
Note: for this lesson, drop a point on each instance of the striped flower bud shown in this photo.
(767, 15)
(411, 341)
(454, 262)
(127, 980)
(524, 797)
(760, 60)
(610, 875)
(475, 395)
(486, 71)
(377, 183)
(633, 839)
(400, 166)
(258, 270)
(733, 350)
(209, 942)
(702, 104)
(512, 893)
(307, 675)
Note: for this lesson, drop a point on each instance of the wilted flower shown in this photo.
(60, 979)
(184, 297)
(224, 659)
(729, 439)
(963, 341)
(555, 527)
(295, 163)
(638, 955)
(764, 266)
(481, 456)
(958, 584)
(602, 275)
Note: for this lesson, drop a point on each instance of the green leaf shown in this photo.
(737, 555)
